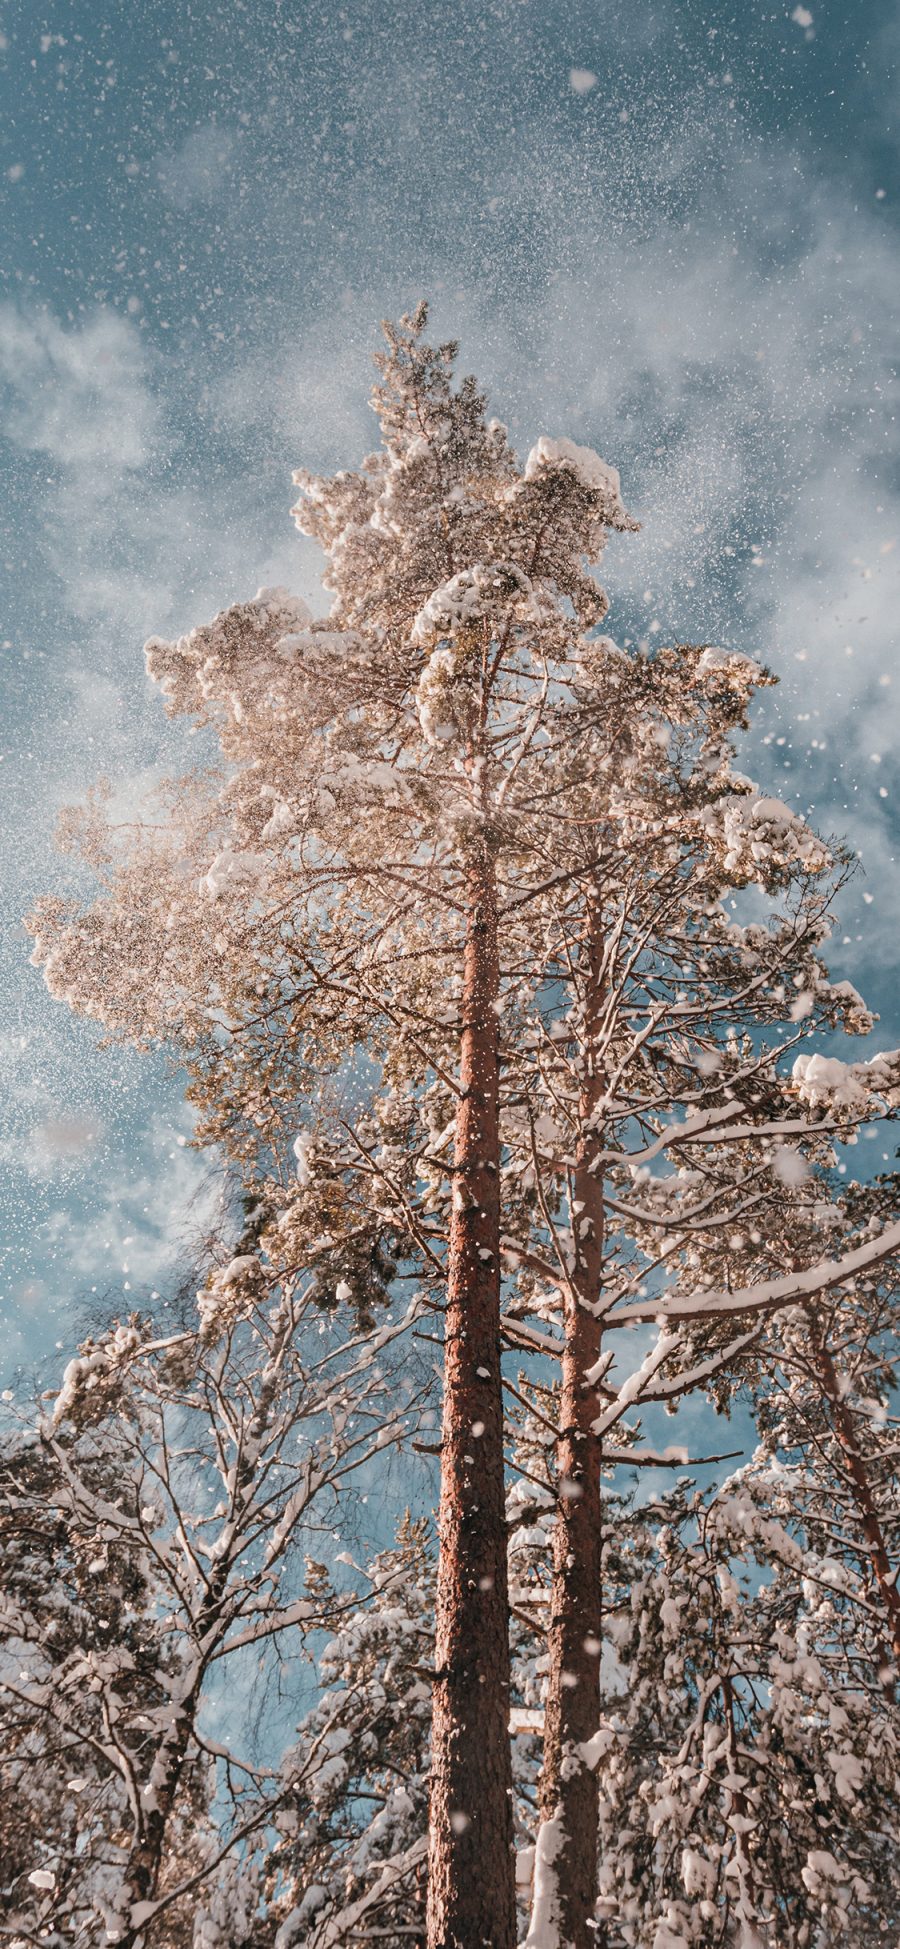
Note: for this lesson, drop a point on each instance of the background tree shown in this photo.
(353, 1854)
(189, 1476)
(746, 1775)
(73, 1602)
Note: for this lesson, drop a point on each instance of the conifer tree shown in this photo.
(422, 698)
(650, 1114)
(466, 993)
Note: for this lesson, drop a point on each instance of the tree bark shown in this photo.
(141, 1876)
(566, 1876)
(140, 1879)
(471, 1889)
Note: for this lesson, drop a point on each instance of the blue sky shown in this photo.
(666, 229)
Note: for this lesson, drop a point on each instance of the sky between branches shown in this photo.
(667, 230)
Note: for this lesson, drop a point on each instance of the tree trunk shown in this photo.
(140, 1880)
(141, 1875)
(566, 1861)
(471, 1890)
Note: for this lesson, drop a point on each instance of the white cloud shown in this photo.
(59, 1140)
(82, 396)
(132, 543)
(149, 1205)
(199, 170)
(129, 1216)
(308, 389)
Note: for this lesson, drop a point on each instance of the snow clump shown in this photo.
(566, 457)
(847, 1089)
(758, 838)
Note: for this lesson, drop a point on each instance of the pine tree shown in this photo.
(652, 1035)
(466, 993)
(746, 1750)
(440, 549)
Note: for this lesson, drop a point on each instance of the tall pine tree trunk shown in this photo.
(565, 1891)
(471, 1890)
